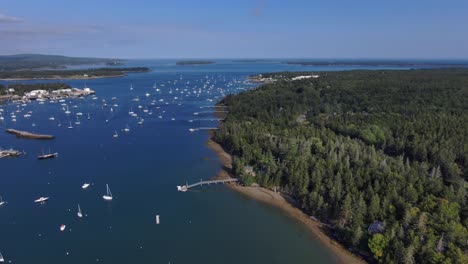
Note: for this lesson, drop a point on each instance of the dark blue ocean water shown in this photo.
(205, 225)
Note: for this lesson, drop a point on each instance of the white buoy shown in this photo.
(157, 219)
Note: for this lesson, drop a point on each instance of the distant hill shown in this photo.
(390, 63)
(36, 61)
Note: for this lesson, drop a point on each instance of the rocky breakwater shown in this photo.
(24, 134)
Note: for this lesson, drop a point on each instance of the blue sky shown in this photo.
(236, 29)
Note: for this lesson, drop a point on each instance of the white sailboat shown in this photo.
(70, 126)
(127, 129)
(80, 214)
(1, 201)
(108, 196)
(115, 134)
(85, 185)
(131, 87)
(2, 260)
(89, 117)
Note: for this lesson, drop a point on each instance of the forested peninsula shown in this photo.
(69, 74)
(380, 156)
(19, 62)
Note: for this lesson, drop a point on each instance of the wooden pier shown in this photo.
(186, 187)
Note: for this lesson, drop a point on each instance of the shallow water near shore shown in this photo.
(208, 224)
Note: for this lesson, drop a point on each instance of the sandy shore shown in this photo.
(277, 200)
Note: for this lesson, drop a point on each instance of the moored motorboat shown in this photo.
(41, 200)
(47, 156)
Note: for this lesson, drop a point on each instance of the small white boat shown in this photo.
(51, 118)
(62, 227)
(108, 196)
(85, 186)
(127, 129)
(147, 94)
(79, 114)
(1, 201)
(41, 200)
(79, 213)
(88, 117)
(115, 134)
(70, 126)
(2, 260)
(131, 87)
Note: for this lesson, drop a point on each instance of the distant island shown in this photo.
(199, 62)
(69, 74)
(38, 61)
(114, 63)
(378, 63)
(251, 60)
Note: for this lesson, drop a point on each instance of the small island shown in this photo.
(70, 74)
(193, 63)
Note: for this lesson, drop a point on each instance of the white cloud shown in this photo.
(9, 19)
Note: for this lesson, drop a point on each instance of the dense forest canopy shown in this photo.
(360, 149)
